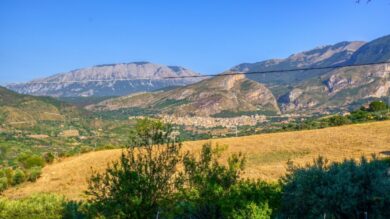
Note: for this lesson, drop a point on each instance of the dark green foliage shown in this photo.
(29, 161)
(142, 183)
(207, 182)
(34, 173)
(75, 210)
(18, 177)
(338, 120)
(49, 157)
(3, 183)
(377, 111)
(377, 106)
(146, 182)
(34, 207)
(338, 190)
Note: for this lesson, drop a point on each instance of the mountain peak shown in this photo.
(377, 50)
(320, 56)
(108, 80)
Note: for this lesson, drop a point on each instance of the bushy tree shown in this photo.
(18, 177)
(339, 190)
(142, 183)
(3, 183)
(34, 173)
(376, 106)
(154, 179)
(28, 160)
(214, 190)
(207, 181)
(338, 120)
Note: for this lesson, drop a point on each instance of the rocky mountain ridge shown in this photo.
(318, 57)
(345, 87)
(108, 80)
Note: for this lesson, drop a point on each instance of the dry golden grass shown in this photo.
(266, 154)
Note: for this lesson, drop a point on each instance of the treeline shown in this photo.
(376, 111)
(155, 178)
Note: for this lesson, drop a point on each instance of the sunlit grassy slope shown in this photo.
(266, 154)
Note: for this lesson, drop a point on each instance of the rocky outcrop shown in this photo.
(337, 89)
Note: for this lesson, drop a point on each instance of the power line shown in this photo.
(218, 75)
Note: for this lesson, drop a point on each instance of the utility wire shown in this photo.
(218, 75)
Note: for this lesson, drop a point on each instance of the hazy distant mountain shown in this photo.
(215, 96)
(318, 57)
(107, 80)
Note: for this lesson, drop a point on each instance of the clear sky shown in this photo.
(39, 38)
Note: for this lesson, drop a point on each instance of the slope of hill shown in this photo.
(24, 110)
(318, 57)
(222, 94)
(107, 80)
(266, 154)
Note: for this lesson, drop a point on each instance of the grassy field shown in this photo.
(266, 154)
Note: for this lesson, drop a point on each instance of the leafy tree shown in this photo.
(142, 183)
(214, 190)
(207, 181)
(339, 190)
(376, 106)
(253, 210)
(338, 120)
(147, 183)
(18, 177)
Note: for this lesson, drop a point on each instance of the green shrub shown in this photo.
(76, 210)
(30, 160)
(338, 120)
(34, 207)
(49, 157)
(3, 183)
(254, 211)
(7, 173)
(339, 190)
(141, 183)
(377, 106)
(147, 183)
(34, 173)
(18, 177)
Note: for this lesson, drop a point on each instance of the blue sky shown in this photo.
(39, 38)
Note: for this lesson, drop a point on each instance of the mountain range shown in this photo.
(107, 80)
(272, 93)
(311, 91)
